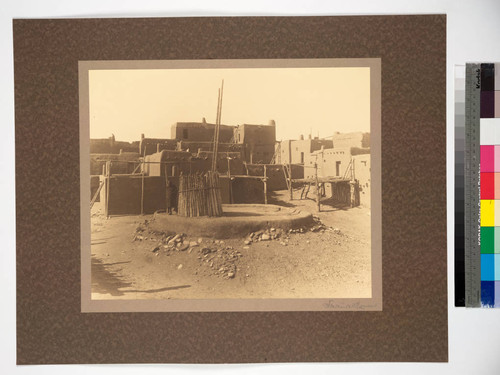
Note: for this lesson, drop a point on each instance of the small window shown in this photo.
(184, 133)
(337, 168)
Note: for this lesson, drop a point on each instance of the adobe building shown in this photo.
(149, 146)
(197, 147)
(332, 162)
(259, 141)
(121, 163)
(111, 146)
(355, 139)
(362, 173)
(201, 132)
(295, 151)
(342, 164)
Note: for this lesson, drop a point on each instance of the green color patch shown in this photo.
(487, 240)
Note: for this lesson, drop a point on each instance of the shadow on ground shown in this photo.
(106, 281)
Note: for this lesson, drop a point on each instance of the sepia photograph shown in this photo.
(230, 185)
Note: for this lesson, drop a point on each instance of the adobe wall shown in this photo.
(362, 173)
(125, 194)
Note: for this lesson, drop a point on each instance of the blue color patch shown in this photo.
(487, 267)
(488, 293)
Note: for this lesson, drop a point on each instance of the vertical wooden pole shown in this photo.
(318, 198)
(107, 179)
(230, 184)
(142, 189)
(290, 168)
(265, 184)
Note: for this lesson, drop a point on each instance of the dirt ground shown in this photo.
(330, 261)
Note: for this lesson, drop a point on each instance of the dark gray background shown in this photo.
(473, 36)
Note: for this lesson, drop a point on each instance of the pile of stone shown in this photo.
(177, 242)
(220, 259)
(270, 234)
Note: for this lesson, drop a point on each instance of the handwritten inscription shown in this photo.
(335, 305)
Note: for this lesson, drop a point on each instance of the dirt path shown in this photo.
(332, 262)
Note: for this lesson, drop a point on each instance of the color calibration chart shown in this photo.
(477, 258)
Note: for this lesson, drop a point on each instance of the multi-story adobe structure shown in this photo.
(200, 132)
(355, 139)
(296, 151)
(259, 141)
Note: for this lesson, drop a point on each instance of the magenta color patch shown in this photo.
(487, 158)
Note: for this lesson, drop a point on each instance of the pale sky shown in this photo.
(127, 103)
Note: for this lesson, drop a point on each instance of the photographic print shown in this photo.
(211, 190)
(231, 184)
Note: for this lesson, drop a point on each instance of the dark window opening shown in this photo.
(301, 158)
(337, 168)
(184, 133)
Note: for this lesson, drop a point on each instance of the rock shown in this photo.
(273, 229)
(179, 266)
(247, 242)
(230, 275)
(308, 241)
(265, 237)
(193, 243)
(155, 249)
(182, 247)
(246, 247)
(206, 250)
(200, 240)
(283, 243)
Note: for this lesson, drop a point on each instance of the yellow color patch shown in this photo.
(487, 213)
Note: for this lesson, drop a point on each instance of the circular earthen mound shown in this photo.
(238, 220)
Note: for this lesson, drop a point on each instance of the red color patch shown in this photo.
(487, 186)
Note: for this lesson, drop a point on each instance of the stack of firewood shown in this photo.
(199, 195)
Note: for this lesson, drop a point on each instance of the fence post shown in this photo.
(265, 184)
(318, 198)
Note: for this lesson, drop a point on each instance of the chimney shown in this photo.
(272, 123)
(310, 137)
(203, 120)
(142, 136)
(302, 137)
